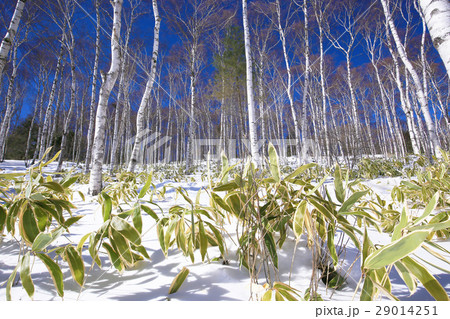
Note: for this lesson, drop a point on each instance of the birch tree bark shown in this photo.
(10, 101)
(92, 109)
(69, 40)
(135, 13)
(431, 128)
(108, 81)
(45, 127)
(140, 125)
(437, 17)
(281, 32)
(249, 76)
(7, 41)
(319, 13)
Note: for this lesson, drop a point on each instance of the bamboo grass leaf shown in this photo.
(10, 282)
(106, 207)
(274, 163)
(396, 250)
(146, 186)
(55, 273)
(126, 230)
(178, 280)
(346, 206)
(114, 257)
(76, 264)
(428, 281)
(298, 219)
(429, 208)
(25, 275)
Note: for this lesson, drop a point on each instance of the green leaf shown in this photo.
(226, 187)
(182, 191)
(142, 250)
(351, 201)
(224, 172)
(407, 277)
(411, 185)
(82, 241)
(218, 237)
(150, 212)
(72, 220)
(330, 243)
(53, 186)
(338, 186)
(203, 240)
(298, 219)
(25, 275)
(3, 214)
(401, 225)
(11, 176)
(429, 208)
(219, 201)
(312, 191)
(76, 264)
(106, 207)
(28, 225)
(55, 273)
(10, 282)
(50, 161)
(271, 247)
(121, 246)
(93, 241)
(428, 281)
(178, 280)
(298, 171)
(66, 183)
(432, 227)
(146, 186)
(126, 230)
(160, 231)
(41, 242)
(114, 257)
(168, 234)
(396, 250)
(278, 296)
(137, 219)
(367, 291)
(273, 163)
(267, 295)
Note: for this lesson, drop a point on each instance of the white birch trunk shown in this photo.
(4, 128)
(437, 17)
(289, 82)
(250, 100)
(108, 81)
(431, 128)
(140, 125)
(192, 77)
(305, 74)
(48, 111)
(90, 134)
(7, 41)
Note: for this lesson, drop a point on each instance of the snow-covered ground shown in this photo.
(150, 280)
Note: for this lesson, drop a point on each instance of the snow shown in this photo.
(208, 281)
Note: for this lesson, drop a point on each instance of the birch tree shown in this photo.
(140, 124)
(431, 127)
(437, 17)
(289, 84)
(92, 108)
(108, 81)
(249, 80)
(8, 39)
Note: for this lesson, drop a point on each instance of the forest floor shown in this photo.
(213, 280)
